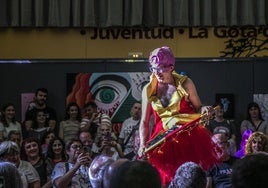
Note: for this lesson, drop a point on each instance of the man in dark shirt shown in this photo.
(40, 104)
(220, 124)
(219, 176)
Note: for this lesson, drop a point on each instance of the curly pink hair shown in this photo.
(162, 56)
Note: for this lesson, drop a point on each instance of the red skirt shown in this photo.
(188, 144)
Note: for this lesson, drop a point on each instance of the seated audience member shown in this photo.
(9, 151)
(8, 121)
(87, 142)
(40, 104)
(254, 120)
(107, 143)
(251, 171)
(129, 127)
(97, 169)
(31, 152)
(39, 127)
(105, 130)
(74, 172)
(15, 136)
(189, 175)
(133, 174)
(241, 152)
(220, 124)
(9, 176)
(48, 136)
(70, 126)
(257, 142)
(56, 150)
(92, 119)
(220, 174)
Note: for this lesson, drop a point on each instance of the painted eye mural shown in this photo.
(109, 91)
(113, 93)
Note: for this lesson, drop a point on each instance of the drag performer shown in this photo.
(173, 100)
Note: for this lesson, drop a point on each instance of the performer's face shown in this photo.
(161, 72)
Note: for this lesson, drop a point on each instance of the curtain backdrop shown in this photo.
(127, 13)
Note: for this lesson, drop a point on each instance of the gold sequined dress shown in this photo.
(189, 144)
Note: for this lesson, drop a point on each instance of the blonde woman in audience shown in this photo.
(69, 128)
(257, 142)
(8, 121)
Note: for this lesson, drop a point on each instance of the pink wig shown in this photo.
(162, 56)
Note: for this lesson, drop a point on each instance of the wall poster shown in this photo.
(262, 100)
(227, 100)
(113, 92)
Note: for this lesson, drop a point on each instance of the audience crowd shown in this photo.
(82, 150)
